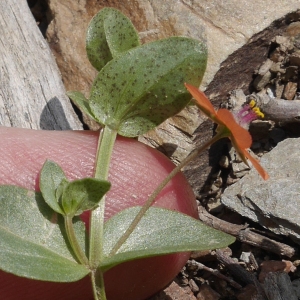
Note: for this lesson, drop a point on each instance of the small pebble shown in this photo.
(207, 293)
(224, 162)
(245, 257)
(194, 287)
(290, 90)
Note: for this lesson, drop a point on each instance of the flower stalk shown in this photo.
(227, 127)
(106, 142)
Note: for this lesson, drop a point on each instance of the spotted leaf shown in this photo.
(140, 89)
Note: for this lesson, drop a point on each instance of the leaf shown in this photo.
(59, 191)
(109, 34)
(160, 231)
(81, 102)
(138, 90)
(84, 194)
(50, 179)
(32, 242)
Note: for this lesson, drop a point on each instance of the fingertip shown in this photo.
(135, 172)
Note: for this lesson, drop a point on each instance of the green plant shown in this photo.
(137, 88)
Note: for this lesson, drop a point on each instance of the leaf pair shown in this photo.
(138, 87)
(70, 198)
(33, 239)
(109, 34)
(34, 243)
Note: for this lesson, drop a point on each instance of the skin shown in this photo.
(135, 171)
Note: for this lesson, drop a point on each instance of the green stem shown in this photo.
(80, 255)
(161, 186)
(98, 285)
(106, 143)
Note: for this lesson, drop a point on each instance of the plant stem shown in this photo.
(106, 143)
(98, 285)
(80, 255)
(161, 186)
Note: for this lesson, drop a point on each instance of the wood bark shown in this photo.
(279, 110)
(32, 94)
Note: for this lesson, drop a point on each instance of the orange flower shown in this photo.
(228, 127)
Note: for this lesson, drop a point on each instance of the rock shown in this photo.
(294, 29)
(236, 99)
(277, 68)
(245, 257)
(174, 292)
(224, 162)
(193, 286)
(261, 81)
(295, 58)
(265, 67)
(275, 266)
(248, 292)
(296, 287)
(173, 137)
(278, 285)
(207, 293)
(230, 25)
(263, 75)
(239, 168)
(290, 90)
(291, 73)
(275, 203)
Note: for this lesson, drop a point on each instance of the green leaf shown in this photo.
(84, 194)
(59, 191)
(33, 244)
(109, 34)
(81, 102)
(50, 179)
(143, 87)
(160, 231)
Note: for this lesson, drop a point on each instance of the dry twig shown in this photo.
(239, 272)
(215, 272)
(278, 110)
(243, 234)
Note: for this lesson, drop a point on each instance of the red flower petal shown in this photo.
(241, 136)
(256, 165)
(203, 102)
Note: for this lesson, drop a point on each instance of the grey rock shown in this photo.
(275, 203)
(226, 26)
(261, 81)
(236, 99)
(263, 75)
(296, 287)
